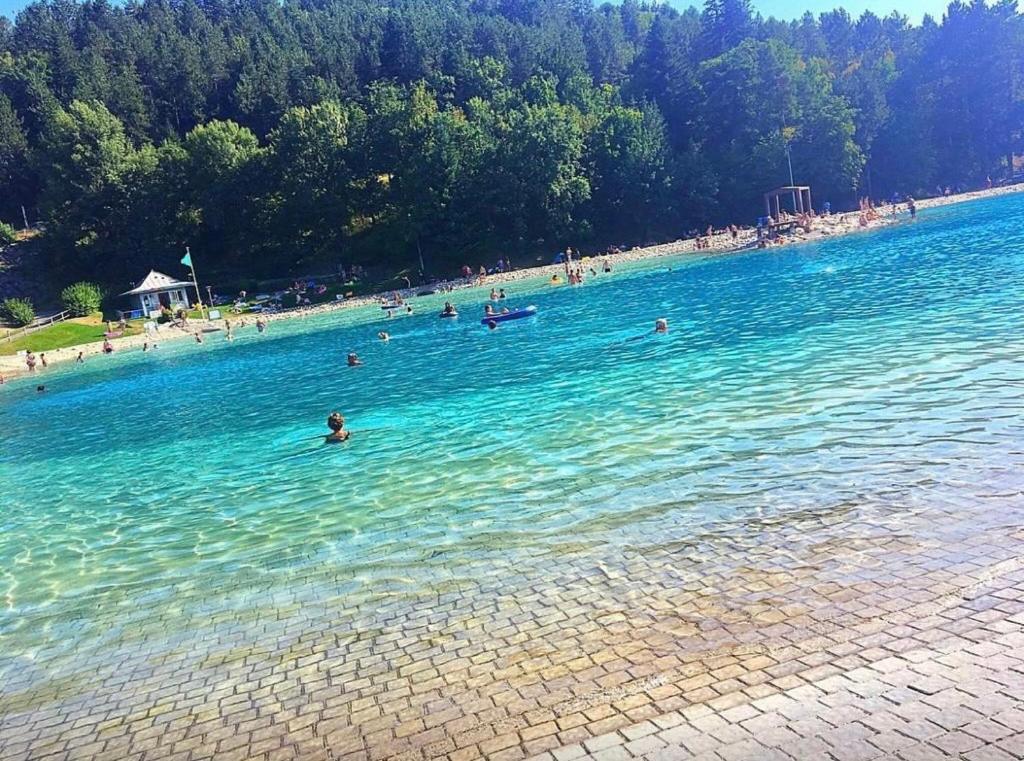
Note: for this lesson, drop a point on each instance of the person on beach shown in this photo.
(661, 325)
(911, 207)
(30, 361)
(353, 360)
(80, 359)
(42, 359)
(336, 422)
(108, 348)
(145, 346)
(199, 337)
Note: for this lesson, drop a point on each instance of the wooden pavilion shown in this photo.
(800, 194)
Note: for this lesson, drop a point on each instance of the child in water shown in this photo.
(336, 422)
(353, 360)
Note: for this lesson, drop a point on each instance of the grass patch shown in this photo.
(81, 330)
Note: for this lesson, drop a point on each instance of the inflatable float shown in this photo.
(392, 306)
(448, 314)
(516, 314)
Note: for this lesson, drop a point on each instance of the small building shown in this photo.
(159, 291)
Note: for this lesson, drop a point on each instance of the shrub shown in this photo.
(17, 311)
(82, 299)
(7, 234)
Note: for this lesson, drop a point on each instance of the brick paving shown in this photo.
(866, 633)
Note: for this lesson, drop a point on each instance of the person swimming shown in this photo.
(383, 336)
(494, 295)
(491, 324)
(661, 325)
(353, 360)
(449, 310)
(555, 280)
(501, 293)
(488, 310)
(336, 422)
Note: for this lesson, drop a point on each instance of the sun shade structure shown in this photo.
(157, 291)
(801, 195)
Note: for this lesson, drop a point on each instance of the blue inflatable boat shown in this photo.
(516, 314)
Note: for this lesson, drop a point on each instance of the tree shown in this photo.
(17, 181)
(313, 197)
(629, 156)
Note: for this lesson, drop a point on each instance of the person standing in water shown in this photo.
(336, 422)
(353, 360)
(661, 325)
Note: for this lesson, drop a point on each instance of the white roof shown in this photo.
(156, 281)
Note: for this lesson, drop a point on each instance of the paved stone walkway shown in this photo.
(872, 632)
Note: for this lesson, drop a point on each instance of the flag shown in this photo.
(187, 259)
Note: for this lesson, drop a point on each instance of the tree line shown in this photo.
(277, 137)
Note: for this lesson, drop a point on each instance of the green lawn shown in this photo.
(63, 334)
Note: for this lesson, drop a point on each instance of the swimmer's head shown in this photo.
(492, 324)
(661, 325)
(335, 421)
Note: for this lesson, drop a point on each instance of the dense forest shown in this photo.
(278, 137)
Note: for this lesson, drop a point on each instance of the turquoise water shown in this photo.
(884, 367)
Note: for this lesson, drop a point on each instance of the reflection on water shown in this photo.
(886, 367)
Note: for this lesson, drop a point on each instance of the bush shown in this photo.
(82, 299)
(17, 311)
(7, 234)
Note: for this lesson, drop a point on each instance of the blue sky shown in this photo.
(784, 9)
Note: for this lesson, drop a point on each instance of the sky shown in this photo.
(788, 9)
(782, 9)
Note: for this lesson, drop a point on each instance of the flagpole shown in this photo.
(195, 282)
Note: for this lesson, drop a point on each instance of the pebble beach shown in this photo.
(721, 243)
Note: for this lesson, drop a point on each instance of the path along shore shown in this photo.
(720, 243)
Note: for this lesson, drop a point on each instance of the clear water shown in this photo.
(886, 366)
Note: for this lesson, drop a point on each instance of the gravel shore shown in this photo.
(723, 243)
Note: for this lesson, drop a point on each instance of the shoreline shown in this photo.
(721, 243)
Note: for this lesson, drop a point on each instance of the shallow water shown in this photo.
(886, 366)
